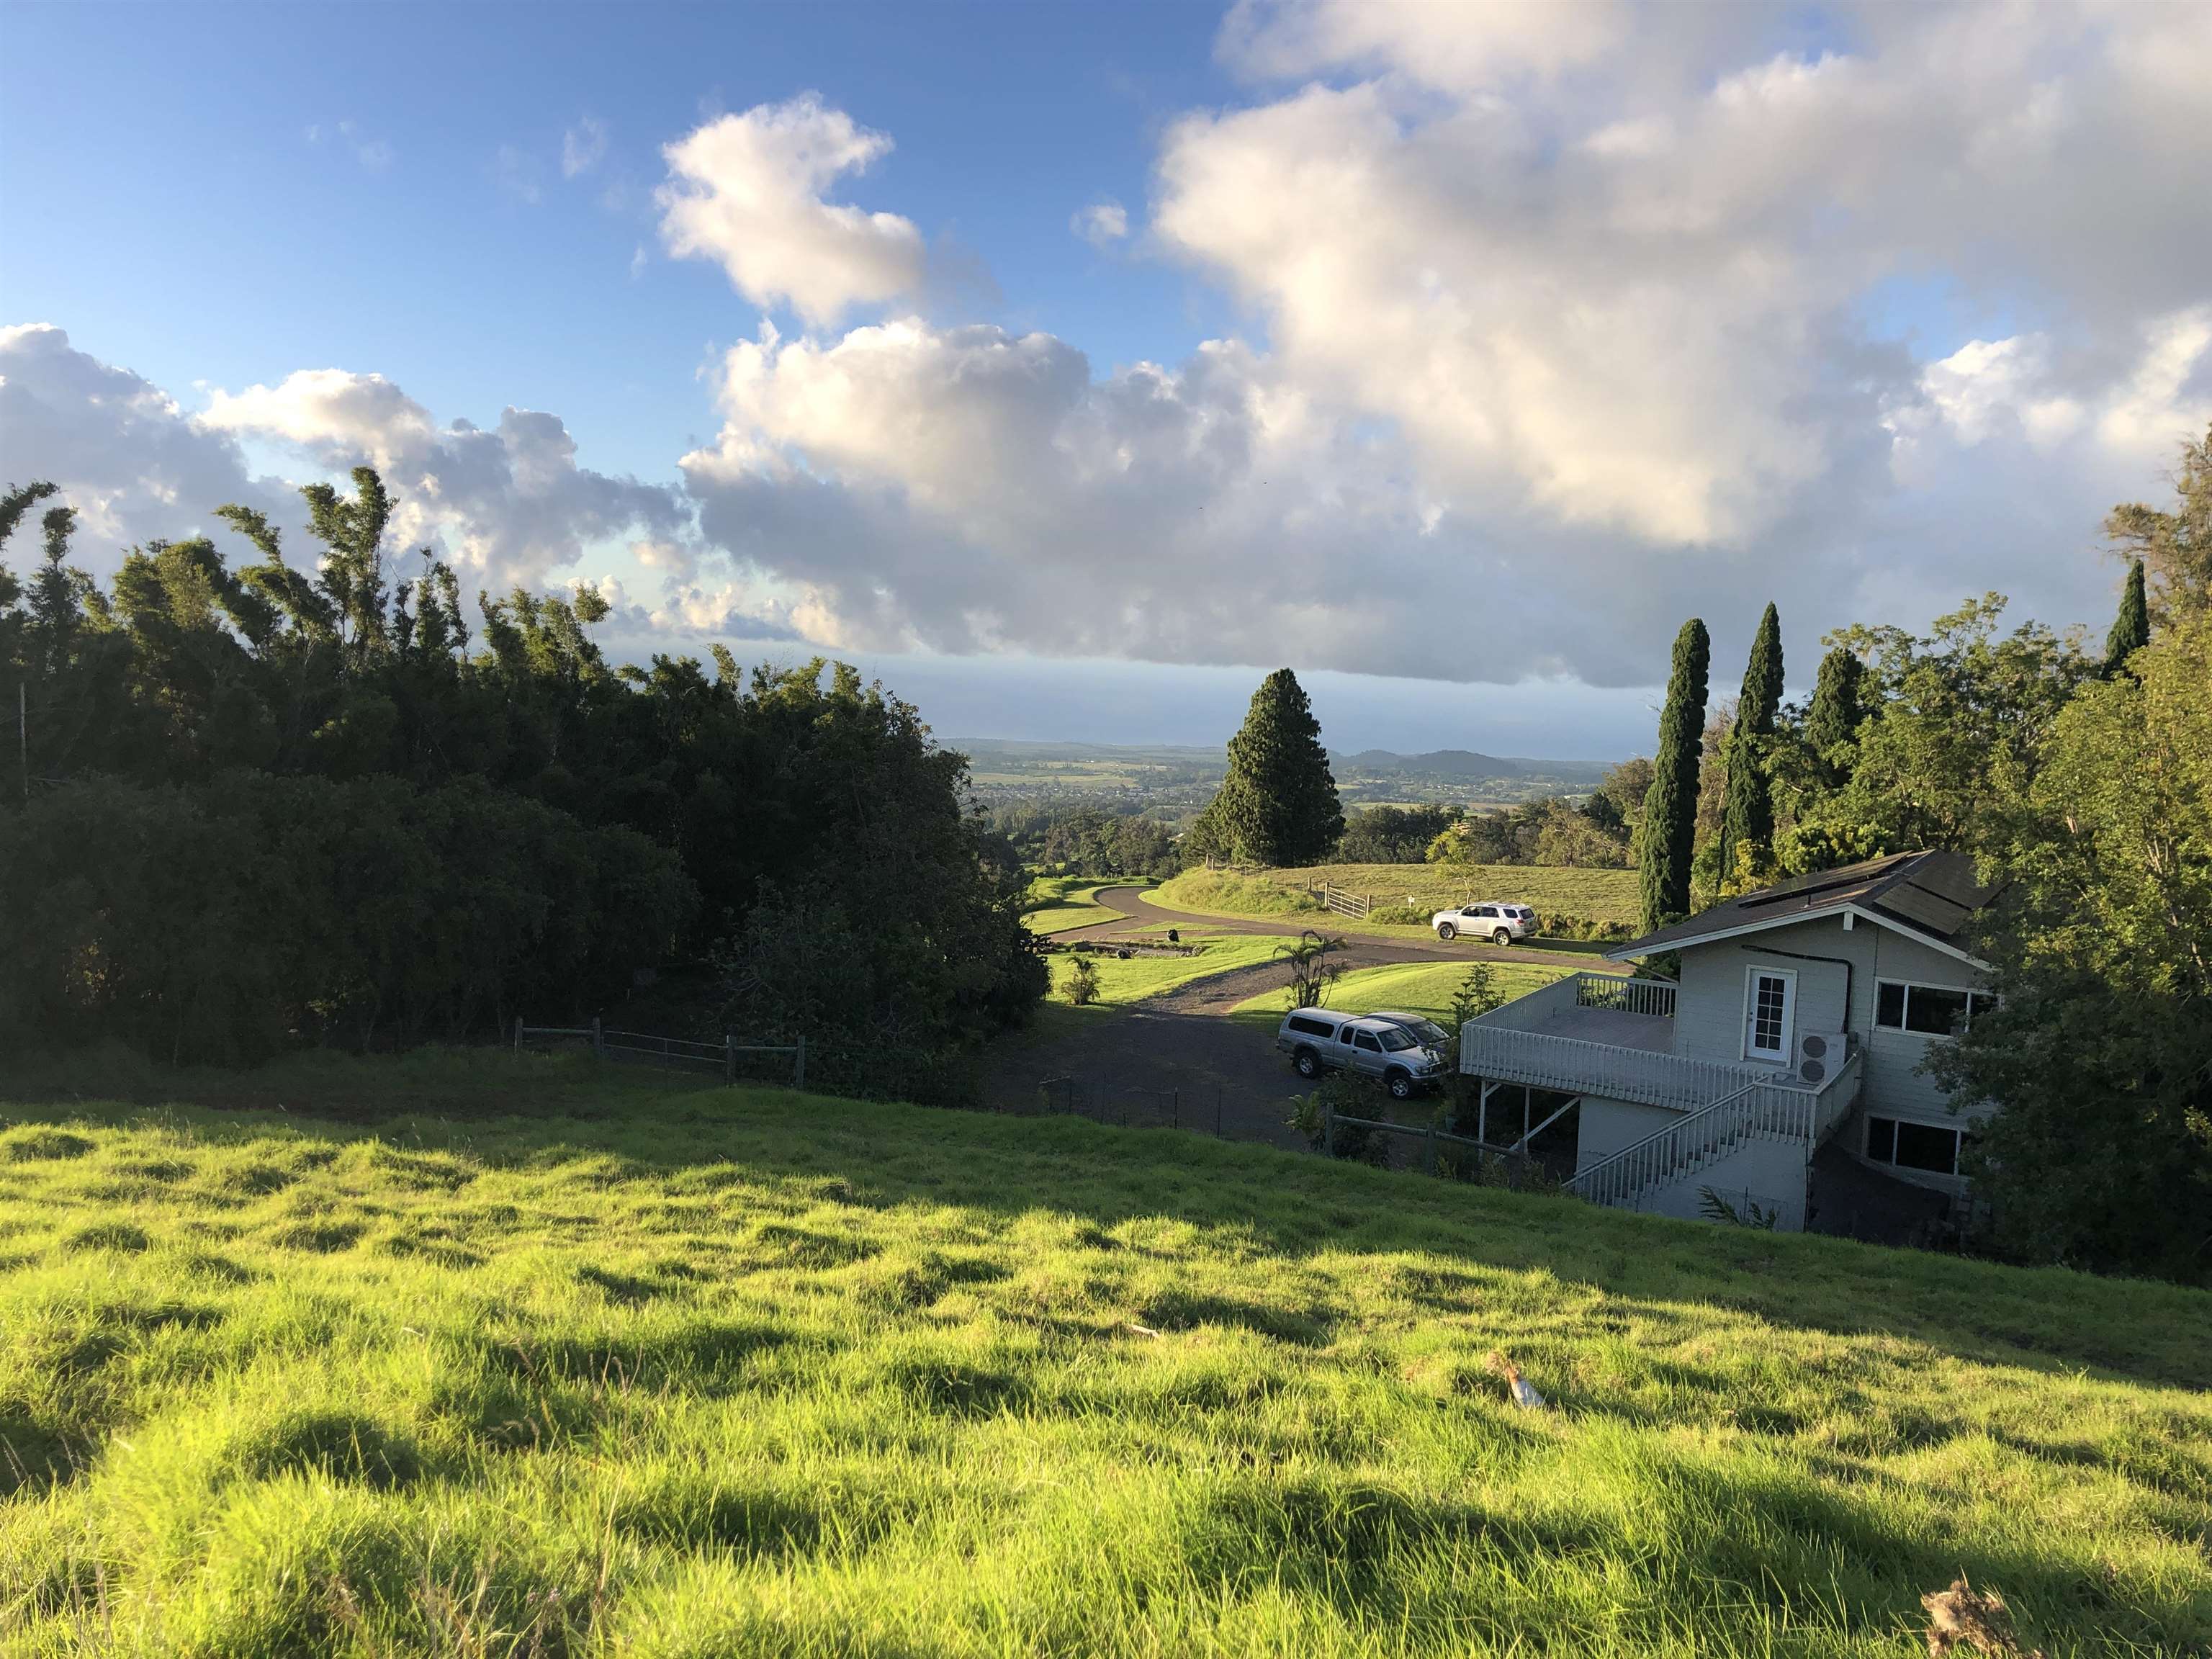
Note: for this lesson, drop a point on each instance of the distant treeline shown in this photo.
(304, 803)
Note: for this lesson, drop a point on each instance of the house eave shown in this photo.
(1855, 912)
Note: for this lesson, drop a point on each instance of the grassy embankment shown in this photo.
(1605, 895)
(654, 1369)
(1058, 903)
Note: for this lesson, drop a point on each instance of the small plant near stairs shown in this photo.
(1713, 1207)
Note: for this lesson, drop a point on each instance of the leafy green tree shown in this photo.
(1667, 839)
(2131, 627)
(1278, 804)
(1393, 835)
(1748, 816)
(2176, 543)
(2100, 1047)
(1959, 723)
(1834, 716)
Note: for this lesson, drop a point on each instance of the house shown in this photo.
(1779, 1068)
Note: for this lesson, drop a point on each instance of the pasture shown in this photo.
(607, 1364)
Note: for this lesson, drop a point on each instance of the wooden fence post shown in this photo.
(518, 1034)
(598, 1041)
(799, 1065)
(729, 1060)
(1328, 1130)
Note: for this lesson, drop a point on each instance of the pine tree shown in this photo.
(1278, 804)
(1747, 819)
(1670, 809)
(2131, 627)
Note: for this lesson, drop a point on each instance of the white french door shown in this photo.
(1770, 1013)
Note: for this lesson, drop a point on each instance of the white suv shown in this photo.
(1389, 1047)
(1501, 924)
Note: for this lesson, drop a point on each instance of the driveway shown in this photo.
(1177, 1058)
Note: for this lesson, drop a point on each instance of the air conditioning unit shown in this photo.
(1818, 1054)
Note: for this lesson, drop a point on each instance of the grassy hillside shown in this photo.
(1598, 895)
(661, 1370)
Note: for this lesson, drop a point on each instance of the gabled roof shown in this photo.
(1927, 896)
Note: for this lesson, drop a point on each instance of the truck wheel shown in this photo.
(1501, 937)
(1306, 1063)
(1400, 1084)
(1446, 932)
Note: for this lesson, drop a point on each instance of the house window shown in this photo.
(1930, 1146)
(1929, 1010)
(1769, 996)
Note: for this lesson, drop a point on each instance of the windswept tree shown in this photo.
(2131, 627)
(1747, 818)
(1667, 841)
(1278, 804)
(2175, 543)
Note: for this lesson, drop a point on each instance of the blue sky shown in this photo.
(1451, 355)
(197, 233)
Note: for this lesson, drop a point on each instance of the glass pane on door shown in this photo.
(1770, 1015)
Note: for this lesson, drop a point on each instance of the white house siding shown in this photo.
(1608, 1126)
(1709, 1020)
(1771, 1172)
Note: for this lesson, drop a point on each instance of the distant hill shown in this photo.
(1183, 775)
(1466, 763)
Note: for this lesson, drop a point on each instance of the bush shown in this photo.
(1344, 1095)
(1400, 915)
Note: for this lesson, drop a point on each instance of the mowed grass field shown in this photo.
(1120, 983)
(660, 1369)
(1413, 987)
(1597, 895)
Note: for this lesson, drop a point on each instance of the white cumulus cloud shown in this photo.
(1102, 223)
(747, 192)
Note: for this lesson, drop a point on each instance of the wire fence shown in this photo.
(726, 1057)
(1198, 1108)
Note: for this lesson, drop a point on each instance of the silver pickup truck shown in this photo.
(1404, 1051)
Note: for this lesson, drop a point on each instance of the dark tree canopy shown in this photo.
(1277, 804)
(2131, 626)
(297, 803)
(1666, 840)
(1748, 820)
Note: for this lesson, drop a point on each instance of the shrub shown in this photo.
(1082, 985)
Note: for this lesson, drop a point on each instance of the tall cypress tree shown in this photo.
(1747, 817)
(1278, 804)
(2131, 627)
(1837, 710)
(1670, 807)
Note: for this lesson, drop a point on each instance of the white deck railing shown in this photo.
(1571, 1066)
(1655, 997)
(1758, 1112)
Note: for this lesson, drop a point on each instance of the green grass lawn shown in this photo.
(1599, 895)
(664, 1369)
(1058, 903)
(1413, 987)
(1120, 983)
